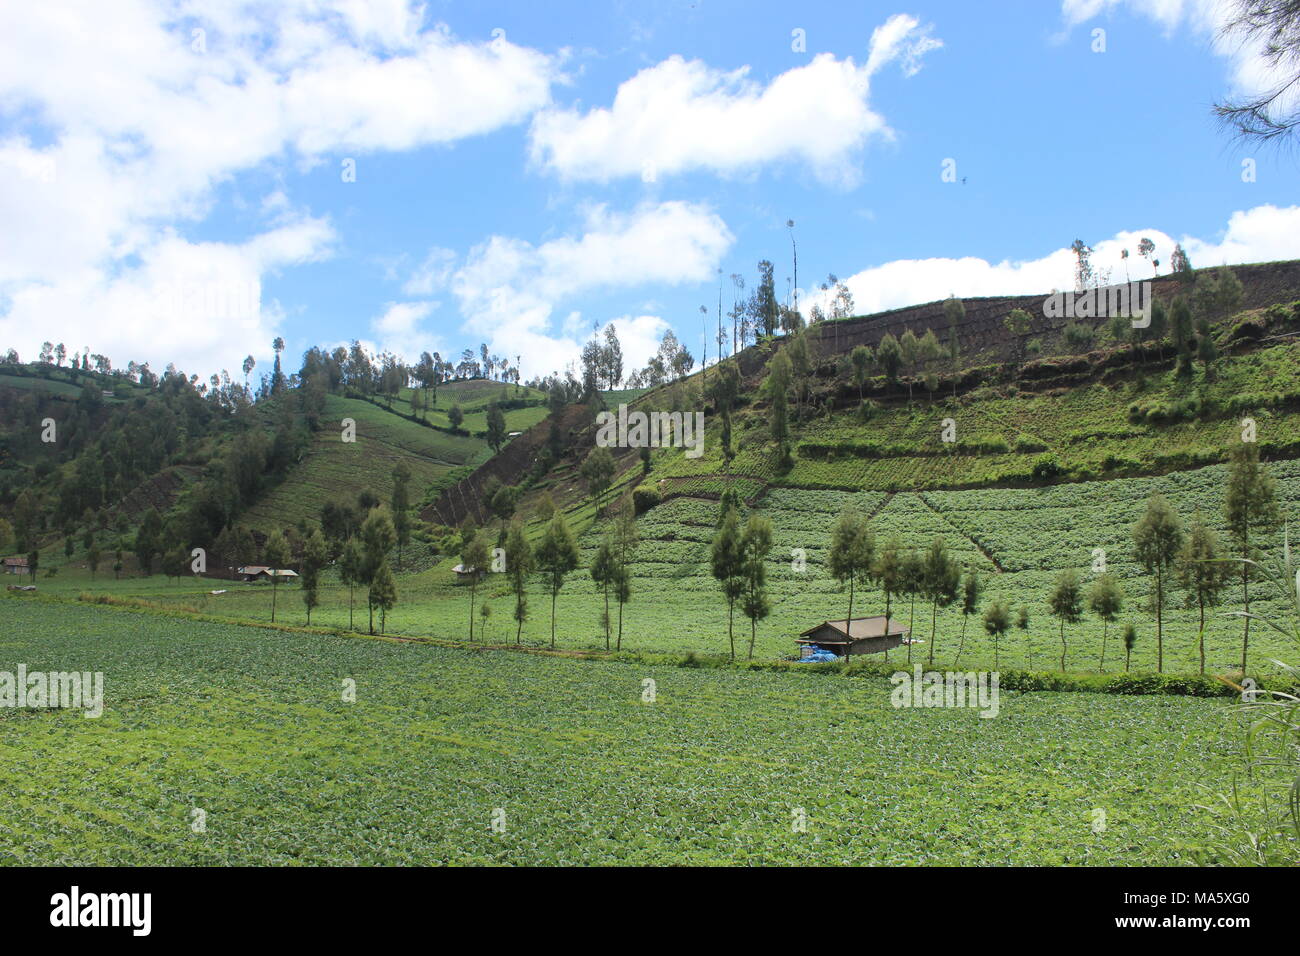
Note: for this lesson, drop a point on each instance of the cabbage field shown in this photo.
(224, 744)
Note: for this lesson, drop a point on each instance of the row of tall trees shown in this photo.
(737, 562)
(1191, 558)
(553, 557)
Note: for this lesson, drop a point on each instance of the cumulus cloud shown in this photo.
(126, 117)
(682, 115)
(197, 304)
(900, 38)
(508, 289)
(638, 337)
(1250, 73)
(432, 274)
(1261, 234)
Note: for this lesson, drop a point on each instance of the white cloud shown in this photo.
(432, 274)
(509, 289)
(400, 329)
(1261, 234)
(638, 337)
(682, 115)
(197, 304)
(1250, 74)
(123, 121)
(901, 38)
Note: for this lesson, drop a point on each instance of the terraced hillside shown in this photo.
(335, 470)
(1151, 423)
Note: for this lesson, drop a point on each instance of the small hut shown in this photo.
(258, 572)
(860, 635)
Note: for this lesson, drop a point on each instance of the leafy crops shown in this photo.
(250, 727)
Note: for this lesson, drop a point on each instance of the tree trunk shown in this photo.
(848, 620)
(1128, 655)
(934, 622)
(553, 595)
(519, 630)
(1105, 630)
(473, 587)
(1245, 597)
(753, 634)
(961, 643)
(911, 620)
(1062, 645)
(1160, 610)
(886, 625)
(273, 590)
(351, 626)
(731, 635)
(1201, 602)
(606, 617)
(619, 645)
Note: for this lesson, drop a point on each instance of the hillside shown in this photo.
(331, 469)
(1053, 458)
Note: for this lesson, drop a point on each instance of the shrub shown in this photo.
(644, 498)
(1046, 467)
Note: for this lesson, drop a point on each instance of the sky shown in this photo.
(181, 181)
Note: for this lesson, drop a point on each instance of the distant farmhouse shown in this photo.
(862, 635)
(17, 566)
(257, 572)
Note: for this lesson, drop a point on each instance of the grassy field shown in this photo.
(1018, 539)
(250, 727)
(334, 470)
(474, 397)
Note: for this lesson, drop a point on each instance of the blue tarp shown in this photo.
(818, 655)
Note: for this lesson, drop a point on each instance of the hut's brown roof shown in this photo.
(860, 628)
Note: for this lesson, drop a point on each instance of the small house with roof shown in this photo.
(860, 635)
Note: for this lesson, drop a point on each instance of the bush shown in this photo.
(644, 498)
(1046, 467)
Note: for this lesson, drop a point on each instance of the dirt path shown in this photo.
(948, 521)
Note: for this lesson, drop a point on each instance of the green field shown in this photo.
(249, 726)
(335, 470)
(474, 396)
(1018, 539)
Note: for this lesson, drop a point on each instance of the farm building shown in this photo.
(863, 635)
(257, 572)
(16, 566)
(464, 573)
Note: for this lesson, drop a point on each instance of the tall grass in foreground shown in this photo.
(1265, 821)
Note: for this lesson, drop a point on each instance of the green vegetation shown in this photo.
(252, 727)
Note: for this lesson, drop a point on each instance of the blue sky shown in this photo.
(524, 172)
